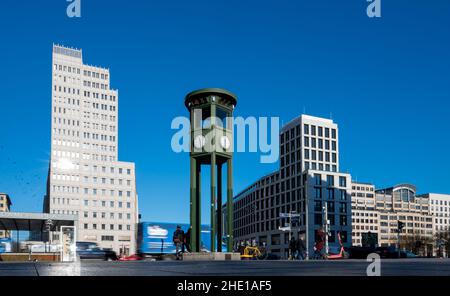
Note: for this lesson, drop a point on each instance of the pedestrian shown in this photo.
(178, 238)
(320, 241)
(301, 248)
(292, 248)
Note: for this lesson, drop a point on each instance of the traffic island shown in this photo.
(215, 256)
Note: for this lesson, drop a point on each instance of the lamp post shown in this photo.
(325, 210)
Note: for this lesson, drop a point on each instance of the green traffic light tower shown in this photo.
(211, 112)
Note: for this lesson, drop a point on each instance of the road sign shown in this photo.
(288, 215)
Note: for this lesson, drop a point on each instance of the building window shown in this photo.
(317, 179)
(318, 193)
(107, 238)
(330, 180)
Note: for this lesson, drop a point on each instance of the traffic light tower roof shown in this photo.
(201, 96)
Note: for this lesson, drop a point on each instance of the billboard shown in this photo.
(156, 237)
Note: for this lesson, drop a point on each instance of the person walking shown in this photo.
(292, 248)
(301, 248)
(178, 241)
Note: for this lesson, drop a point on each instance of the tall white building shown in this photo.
(85, 176)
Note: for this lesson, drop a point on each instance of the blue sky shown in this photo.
(384, 81)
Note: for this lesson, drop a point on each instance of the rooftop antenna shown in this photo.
(331, 115)
(304, 110)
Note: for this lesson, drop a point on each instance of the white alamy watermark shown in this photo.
(374, 268)
(374, 8)
(74, 8)
(251, 134)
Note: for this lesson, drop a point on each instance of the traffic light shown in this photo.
(400, 226)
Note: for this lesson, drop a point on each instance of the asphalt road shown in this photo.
(389, 267)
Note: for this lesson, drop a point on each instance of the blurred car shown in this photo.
(134, 257)
(387, 252)
(272, 256)
(392, 252)
(407, 254)
(360, 252)
(89, 250)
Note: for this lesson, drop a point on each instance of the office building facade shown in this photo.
(308, 184)
(400, 203)
(364, 215)
(85, 176)
(440, 210)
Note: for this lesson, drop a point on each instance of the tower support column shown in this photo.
(230, 241)
(219, 207)
(193, 206)
(199, 206)
(213, 202)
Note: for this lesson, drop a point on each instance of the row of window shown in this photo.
(94, 191)
(76, 70)
(371, 221)
(104, 107)
(98, 116)
(362, 188)
(93, 226)
(365, 227)
(103, 215)
(309, 143)
(99, 137)
(440, 202)
(308, 130)
(92, 203)
(94, 84)
(104, 203)
(318, 181)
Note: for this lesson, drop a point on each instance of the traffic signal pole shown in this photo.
(400, 226)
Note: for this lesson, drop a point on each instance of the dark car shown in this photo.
(392, 252)
(360, 252)
(89, 250)
(272, 256)
(387, 252)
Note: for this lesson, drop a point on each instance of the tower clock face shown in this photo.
(225, 142)
(199, 142)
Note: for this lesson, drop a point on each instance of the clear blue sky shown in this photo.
(385, 81)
